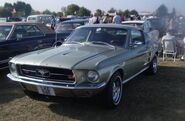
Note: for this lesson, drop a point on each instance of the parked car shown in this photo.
(95, 59)
(64, 29)
(147, 28)
(144, 25)
(14, 19)
(46, 19)
(21, 37)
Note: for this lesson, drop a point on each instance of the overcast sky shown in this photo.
(139, 5)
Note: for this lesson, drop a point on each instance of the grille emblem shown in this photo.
(42, 73)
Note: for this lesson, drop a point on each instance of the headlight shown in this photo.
(92, 76)
(13, 69)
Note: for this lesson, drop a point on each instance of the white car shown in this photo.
(145, 26)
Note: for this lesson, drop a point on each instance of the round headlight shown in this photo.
(92, 76)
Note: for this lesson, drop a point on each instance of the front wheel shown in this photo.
(113, 91)
(57, 44)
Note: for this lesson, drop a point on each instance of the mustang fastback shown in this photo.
(95, 59)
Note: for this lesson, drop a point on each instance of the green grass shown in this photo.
(146, 98)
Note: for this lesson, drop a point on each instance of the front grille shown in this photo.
(47, 73)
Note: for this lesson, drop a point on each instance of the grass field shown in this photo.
(146, 98)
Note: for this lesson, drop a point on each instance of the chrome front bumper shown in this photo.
(61, 89)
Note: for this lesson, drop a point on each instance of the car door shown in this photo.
(137, 58)
(40, 39)
(5, 31)
(25, 38)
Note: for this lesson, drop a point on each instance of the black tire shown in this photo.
(153, 67)
(113, 91)
(57, 44)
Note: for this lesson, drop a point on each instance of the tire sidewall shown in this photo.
(153, 66)
(109, 91)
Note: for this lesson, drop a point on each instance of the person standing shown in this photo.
(106, 19)
(94, 20)
(117, 19)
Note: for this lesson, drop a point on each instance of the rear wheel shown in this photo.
(113, 91)
(153, 66)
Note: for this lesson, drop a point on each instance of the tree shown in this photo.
(112, 10)
(63, 10)
(60, 14)
(134, 12)
(8, 6)
(34, 12)
(99, 12)
(5, 12)
(83, 12)
(120, 12)
(173, 13)
(47, 12)
(28, 9)
(162, 11)
(72, 9)
(22, 8)
(127, 13)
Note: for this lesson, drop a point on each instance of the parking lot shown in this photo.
(145, 98)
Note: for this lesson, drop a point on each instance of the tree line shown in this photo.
(22, 9)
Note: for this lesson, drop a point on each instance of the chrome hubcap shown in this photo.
(117, 90)
(155, 66)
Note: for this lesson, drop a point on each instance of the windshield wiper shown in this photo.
(103, 43)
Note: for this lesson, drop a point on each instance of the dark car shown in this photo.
(19, 37)
(14, 19)
(65, 28)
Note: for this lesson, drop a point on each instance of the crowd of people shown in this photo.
(117, 19)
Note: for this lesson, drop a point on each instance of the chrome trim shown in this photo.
(37, 77)
(125, 81)
(4, 67)
(41, 80)
(60, 85)
(28, 70)
(4, 61)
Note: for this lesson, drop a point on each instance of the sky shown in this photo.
(139, 5)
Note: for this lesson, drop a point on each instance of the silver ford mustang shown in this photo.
(95, 59)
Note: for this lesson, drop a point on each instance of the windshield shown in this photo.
(68, 26)
(99, 35)
(4, 31)
(45, 19)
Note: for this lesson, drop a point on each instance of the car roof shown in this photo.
(41, 26)
(110, 26)
(75, 20)
(133, 22)
(17, 23)
(39, 15)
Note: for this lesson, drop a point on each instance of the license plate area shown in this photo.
(45, 90)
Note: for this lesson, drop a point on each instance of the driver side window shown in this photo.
(137, 37)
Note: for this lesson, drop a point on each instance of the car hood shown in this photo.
(65, 56)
